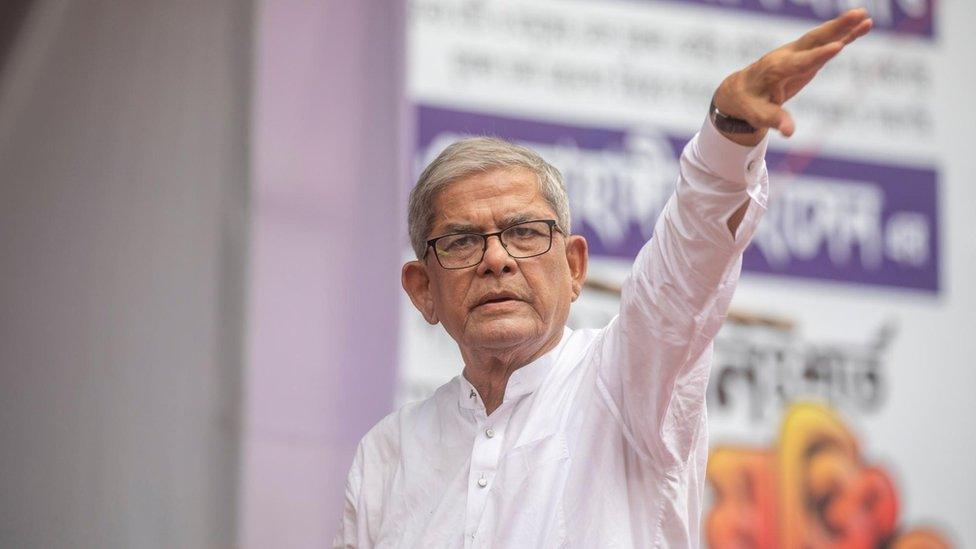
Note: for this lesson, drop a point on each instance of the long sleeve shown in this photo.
(653, 360)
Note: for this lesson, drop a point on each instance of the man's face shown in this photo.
(502, 304)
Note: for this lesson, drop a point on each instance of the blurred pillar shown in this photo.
(123, 217)
(327, 241)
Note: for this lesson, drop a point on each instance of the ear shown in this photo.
(416, 282)
(577, 255)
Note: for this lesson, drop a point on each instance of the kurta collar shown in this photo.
(522, 382)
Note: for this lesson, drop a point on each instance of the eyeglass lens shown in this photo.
(467, 249)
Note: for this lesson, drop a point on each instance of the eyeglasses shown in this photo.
(522, 240)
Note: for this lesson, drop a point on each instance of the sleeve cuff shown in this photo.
(728, 160)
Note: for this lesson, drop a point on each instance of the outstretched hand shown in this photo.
(757, 92)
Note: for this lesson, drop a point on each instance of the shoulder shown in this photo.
(580, 339)
(384, 441)
(580, 344)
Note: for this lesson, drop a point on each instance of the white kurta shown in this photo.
(601, 442)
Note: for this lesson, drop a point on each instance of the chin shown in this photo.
(503, 333)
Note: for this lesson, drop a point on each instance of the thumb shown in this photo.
(771, 115)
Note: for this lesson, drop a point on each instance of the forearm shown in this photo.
(677, 295)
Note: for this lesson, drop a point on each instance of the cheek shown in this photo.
(449, 297)
(553, 289)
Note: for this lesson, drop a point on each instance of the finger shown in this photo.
(794, 85)
(770, 115)
(813, 59)
(860, 30)
(832, 30)
(786, 125)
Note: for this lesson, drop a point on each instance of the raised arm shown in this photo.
(654, 357)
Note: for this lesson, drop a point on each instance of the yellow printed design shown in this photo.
(812, 490)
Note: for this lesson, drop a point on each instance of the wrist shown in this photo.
(733, 128)
(745, 139)
(727, 123)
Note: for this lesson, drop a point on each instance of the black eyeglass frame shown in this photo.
(552, 223)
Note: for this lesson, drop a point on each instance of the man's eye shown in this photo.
(459, 243)
(525, 232)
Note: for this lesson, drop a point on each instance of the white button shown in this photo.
(489, 432)
(750, 165)
(482, 481)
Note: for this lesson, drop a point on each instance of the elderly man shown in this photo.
(552, 437)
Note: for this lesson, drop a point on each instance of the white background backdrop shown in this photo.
(551, 61)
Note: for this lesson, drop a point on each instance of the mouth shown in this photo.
(494, 299)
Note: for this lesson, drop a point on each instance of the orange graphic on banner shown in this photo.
(813, 490)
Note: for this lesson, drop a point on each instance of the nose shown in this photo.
(496, 260)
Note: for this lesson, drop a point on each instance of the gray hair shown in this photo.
(473, 155)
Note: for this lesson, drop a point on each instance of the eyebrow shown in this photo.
(451, 228)
(506, 222)
(513, 219)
